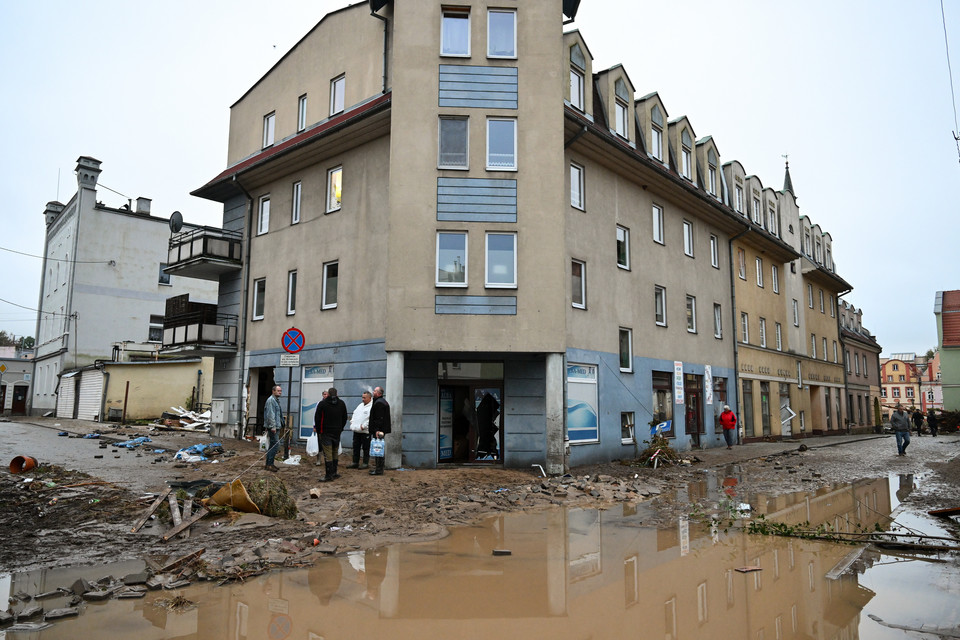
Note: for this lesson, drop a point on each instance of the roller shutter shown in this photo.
(91, 394)
(66, 395)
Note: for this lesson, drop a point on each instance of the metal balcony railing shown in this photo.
(204, 252)
(199, 330)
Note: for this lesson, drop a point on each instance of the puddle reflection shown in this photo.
(571, 573)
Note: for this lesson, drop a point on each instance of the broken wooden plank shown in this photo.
(174, 510)
(184, 525)
(945, 513)
(187, 511)
(841, 567)
(149, 512)
(176, 564)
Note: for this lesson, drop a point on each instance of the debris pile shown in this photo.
(659, 453)
(180, 419)
(271, 496)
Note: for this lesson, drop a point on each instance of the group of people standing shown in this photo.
(370, 423)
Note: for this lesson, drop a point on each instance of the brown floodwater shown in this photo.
(570, 573)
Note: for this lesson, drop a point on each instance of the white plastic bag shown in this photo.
(313, 447)
(378, 448)
(292, 460)
(264, 440)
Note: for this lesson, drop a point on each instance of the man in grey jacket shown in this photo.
(900, 422)
(272, 420)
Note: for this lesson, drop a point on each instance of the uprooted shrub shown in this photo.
(667, 455)
(271, 497)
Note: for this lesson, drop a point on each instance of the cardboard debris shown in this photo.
(180, 419)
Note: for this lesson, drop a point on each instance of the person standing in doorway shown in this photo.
(901, 427)
(272, 421)
(328, 422)
(379, 425)
(728, 420)
(917, 420)
(360, 425)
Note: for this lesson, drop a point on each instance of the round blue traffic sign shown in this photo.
(293, 340)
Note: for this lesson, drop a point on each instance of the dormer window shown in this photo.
(806, 241)
(656, 132)
(772, 221)
(712, 172)
(578, 66)
(269, 125)
(757, 212)
(739, 200)
(817, 254)
(686, 155)
(620, 106)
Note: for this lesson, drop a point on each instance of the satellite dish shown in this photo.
(176, 222)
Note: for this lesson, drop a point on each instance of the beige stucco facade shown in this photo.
(144, 390)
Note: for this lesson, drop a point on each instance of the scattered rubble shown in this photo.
(180, 419)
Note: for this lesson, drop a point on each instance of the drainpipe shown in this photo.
(385, 34)
(241, 422)
(106, 387)
(733, 313)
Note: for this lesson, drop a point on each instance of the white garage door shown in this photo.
(66, 394)
(91, 393)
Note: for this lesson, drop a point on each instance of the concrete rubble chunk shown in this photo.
(135, 578)
(63, 612)
(31, 611)
(95, 596)
(6, 617)
(179, 584)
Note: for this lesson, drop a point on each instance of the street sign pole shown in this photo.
(292, 342)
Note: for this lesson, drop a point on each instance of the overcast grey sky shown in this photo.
(856, 92)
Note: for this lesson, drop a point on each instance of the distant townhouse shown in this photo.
(861, 357)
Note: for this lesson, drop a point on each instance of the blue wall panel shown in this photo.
(478, 87)
(476, 305)
(477, 199)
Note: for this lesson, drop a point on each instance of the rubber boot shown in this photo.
(335, 474)
(328, 472)
(356, 456)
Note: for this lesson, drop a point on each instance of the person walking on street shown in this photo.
(272, 420)
(901, 427)
(728, 420)
(932, 422)
(379, 425)
(917, 420)
(360, 425)
(328, 422)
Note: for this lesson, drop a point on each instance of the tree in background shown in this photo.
(6, 340)
(26, 342)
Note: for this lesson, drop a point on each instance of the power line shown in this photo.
(953, 95)
(30, 255)
(49, 313)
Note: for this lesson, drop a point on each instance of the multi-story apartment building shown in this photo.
(102, 283)
(437, 210)
(899, 382)
(861, 357)
(947, 310)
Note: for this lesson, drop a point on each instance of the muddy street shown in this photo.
(67, 518)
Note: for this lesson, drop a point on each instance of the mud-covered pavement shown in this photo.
(48, 523)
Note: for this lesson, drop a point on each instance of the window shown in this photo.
(909, 392)
(775, 278)
(291, 293)
(901, 378)
(712, 172)
(864, 366)
(656, 132)
(856, 361)
(896, 367)
(688, 238)
(739, 199)
(691, 314)
(772, 221)
(744, 328)
(302, 113)
(662, 383)
(454, 146)
(757, 212)
(164, 277)
(623, 247)
(810, 295)
(576, 186)
(714, 251)
(889, 378)
(259, 293)
(813, 346)
(626, 350)
(717, 321)
(835, 356)
(331, 272)
(501, 144)
(833, 307)
(578, 284)
(821, 300)
(824, 349)
(929, 397)
(686, 155)
(657, 224)
(455, 32)
(796, 313)
(295, 206)
(334, 189)
(779, 331)
(263, 220)
(763, 332)
(896, 392)
(660, 305)
(451, 259)
(883, 392)
(501, 261)
(626, 429)
(155, 330)
(759, 272)
(337, 87)
(501, 33)
(269, 122)
(620, 108)
(742, 264)
(578, 65)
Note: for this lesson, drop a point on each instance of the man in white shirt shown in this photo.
(360, 425)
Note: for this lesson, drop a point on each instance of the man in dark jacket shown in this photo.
(917, 418)
(379, 426)
(328, 422)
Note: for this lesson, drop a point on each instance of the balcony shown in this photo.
(196, 328)
(205, 253)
